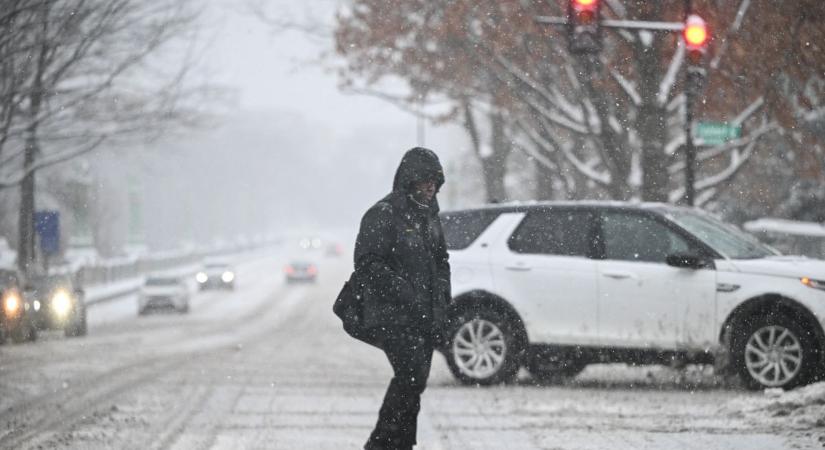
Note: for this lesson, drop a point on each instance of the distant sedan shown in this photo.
(301, 271)
(216, 275)
(164, 291)
(334, 249)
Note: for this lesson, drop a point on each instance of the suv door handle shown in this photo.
(619, 275)
(519, 268)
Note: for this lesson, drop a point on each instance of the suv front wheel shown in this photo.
(774, 352)
(483, 348)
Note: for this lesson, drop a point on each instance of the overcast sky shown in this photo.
(292, 145)
(272, 71)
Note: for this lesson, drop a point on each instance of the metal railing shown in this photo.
(113, 270)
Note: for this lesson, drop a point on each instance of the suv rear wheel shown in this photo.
(483, 348)
(774, 352)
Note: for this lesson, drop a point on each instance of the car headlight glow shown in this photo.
(61, 303)
(36, 305)
(227, 277)
(11, 304)
(202, 277)
(816, 284)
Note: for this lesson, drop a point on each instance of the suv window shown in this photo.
(555, 232)
(636, 237)
(462, 228)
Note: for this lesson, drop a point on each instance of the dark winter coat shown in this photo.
(401, 255)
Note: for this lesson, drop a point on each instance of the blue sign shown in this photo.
(47, 227)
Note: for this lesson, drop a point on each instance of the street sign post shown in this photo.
(47, 227)
(717, 133)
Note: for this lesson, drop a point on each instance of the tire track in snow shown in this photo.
(42, 417)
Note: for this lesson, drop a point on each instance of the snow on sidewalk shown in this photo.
(801, 409)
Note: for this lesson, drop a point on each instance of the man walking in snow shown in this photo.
(401, 254)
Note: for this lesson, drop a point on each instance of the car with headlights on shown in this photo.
(216, 275)
(555, 286)
(57, 304)
(164, 292)
(301, 271)
(15, 310)
(310, 243)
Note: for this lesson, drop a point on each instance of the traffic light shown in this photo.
(583, 29)
(696, 38)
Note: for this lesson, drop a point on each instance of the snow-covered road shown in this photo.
(267, 366)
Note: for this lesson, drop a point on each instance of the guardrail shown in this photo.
(114, 270)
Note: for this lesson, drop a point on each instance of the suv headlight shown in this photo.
(202, 277)
(811, 283)
(11, 304)
(227, 277)
(61, 303)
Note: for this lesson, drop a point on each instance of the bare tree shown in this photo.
(615, 122)
(81, 73)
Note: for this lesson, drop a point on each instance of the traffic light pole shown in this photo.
(690, 149)
(693, 82)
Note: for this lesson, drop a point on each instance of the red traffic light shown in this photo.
(695, 33)
(584, 12)
(585, 4)
(585, 9)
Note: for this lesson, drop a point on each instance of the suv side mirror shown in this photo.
(687, 261)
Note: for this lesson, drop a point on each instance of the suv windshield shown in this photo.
(722, 237)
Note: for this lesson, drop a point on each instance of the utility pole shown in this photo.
(421, 124)
(26, 256)
(421, 131)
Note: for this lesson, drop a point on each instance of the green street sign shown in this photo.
(717, 133)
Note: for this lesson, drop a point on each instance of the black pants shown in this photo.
(410, 356)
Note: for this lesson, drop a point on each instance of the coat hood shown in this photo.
(417, 164)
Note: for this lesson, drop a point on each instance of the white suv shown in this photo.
(556, 286)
